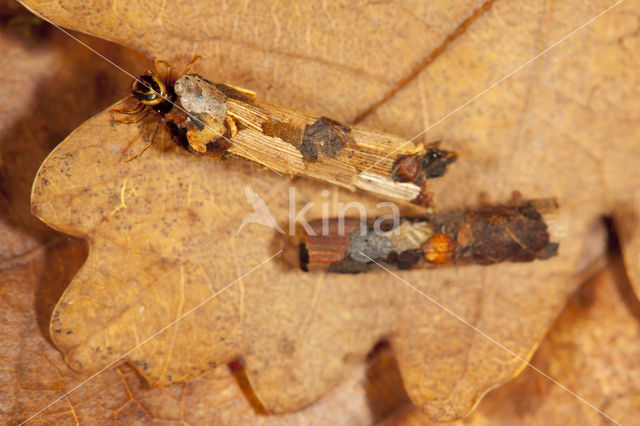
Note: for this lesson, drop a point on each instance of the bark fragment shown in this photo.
(325, 136)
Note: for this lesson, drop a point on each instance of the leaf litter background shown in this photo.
(565, 126)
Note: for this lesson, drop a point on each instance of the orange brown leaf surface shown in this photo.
(592, 349)
(41, 68)
(162, 229)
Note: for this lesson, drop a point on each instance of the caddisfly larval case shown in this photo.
(298, 143)
(213, 118)
(484, 235)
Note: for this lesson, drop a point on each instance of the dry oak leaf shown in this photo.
(592, 348)
(41, 67)
(162, 228)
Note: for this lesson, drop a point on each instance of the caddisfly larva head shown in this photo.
(149, 90)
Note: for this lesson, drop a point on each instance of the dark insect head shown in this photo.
(149, 90)
(153, 91)
(436, 161)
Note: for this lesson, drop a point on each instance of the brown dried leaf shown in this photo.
(34, 374)
(592, 348)
(41, 74)
(559, 127)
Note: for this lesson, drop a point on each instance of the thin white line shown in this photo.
(491, 339)
(144, 84)
(153, 336)
(440, 120)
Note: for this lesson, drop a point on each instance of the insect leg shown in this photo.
(153, 137)
(135, 120)
(156, 69)
(190, 64)
(137, 109)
